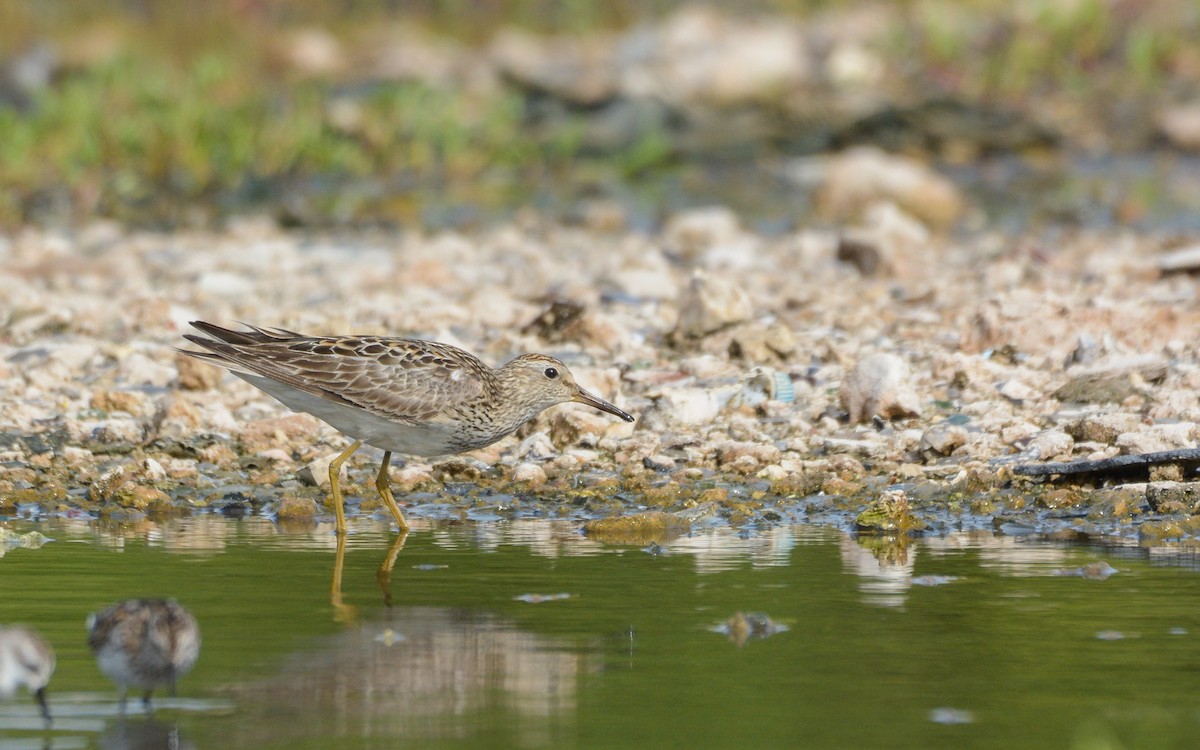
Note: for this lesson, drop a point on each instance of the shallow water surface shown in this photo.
(526, 634)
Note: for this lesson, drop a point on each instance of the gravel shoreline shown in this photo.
(885, 375)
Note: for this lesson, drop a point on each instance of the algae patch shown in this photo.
(891, 513)
(642, 528)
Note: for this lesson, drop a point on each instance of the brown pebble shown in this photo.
(264, 477)
(217, 453)
(181, 410)
(316, 472)
(411, 478)
(711, 303)
(297, 508)
(575, 427)
(457, 470)
(880, 384)
(110, 401)
(142, 497)
(847, 467)
(1166, 473)
(942, 439)
(861, 253)
(732, 451)
(718, 495)
(744, 464)
(179, 468)
(1061, 498)
(839, 486)
(105, 487)
(195, 375)
(529, 474)
(277, 432)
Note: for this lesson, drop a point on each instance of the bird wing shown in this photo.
(401, 379)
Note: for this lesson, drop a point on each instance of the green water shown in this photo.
(630, 658)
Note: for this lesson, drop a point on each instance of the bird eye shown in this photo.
(551, 373)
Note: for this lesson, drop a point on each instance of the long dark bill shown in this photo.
(596, 402)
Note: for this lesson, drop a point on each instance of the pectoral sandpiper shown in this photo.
(399, 395)
(144, 643)
(25, 661)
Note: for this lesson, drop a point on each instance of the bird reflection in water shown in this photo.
(417, 672)
(143, 733)
(347, 613)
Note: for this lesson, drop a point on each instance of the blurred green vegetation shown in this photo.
(1031, 48)
(122, 130)
(165, 103)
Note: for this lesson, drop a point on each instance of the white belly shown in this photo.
(424, 439)
(116, 665)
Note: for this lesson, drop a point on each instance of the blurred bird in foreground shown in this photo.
(144, 644)
(25, 661)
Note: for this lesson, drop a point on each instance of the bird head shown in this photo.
(543, 381)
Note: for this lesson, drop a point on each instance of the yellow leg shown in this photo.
(385, 491)
(384, 574)
(341, 612)
(335, 468)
